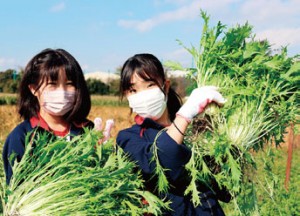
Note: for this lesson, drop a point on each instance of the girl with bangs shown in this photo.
(161, 118)
(53, 97)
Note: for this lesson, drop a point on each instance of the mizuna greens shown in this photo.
(262, 91)
(77, 177)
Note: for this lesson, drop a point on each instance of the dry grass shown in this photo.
(104, 97)
(10, 118)
(119, 114)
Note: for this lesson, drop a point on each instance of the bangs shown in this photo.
(55, 72)
(146, 73)
(52, 73)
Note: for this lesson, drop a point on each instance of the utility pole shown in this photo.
(289, 158)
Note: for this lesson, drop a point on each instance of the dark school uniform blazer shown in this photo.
(15, 142)
(137, 143)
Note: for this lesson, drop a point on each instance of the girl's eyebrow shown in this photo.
(149, 80)
(132, 84)
(143, 81)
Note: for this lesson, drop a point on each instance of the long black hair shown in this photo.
(48, 65)
(149, 68)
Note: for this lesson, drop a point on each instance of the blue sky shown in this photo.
(101, 34)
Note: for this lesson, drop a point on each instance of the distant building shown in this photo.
(101, 75)
(106, 76)
(176, 73)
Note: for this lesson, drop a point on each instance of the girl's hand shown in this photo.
(198, 100)
(106, 132)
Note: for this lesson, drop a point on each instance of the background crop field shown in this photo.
(106, 107)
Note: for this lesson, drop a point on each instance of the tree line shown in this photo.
(10, 79)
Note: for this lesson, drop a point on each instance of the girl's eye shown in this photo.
(70, 83)
(52, 83)
(132, 90)
(151, 85)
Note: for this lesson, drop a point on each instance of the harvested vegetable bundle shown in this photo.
(77, 177)
(262, 92)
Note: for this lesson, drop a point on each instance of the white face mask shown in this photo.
(148, 103)
(58, 102)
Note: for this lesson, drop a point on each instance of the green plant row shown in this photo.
(107, 102)
(8, 100)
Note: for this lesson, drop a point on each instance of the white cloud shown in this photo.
(58, 7)
(281, 37)
(185, 12)
(276, 20)
(275, 13)
(189, 10)
(8, 63)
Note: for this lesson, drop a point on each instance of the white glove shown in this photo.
(198, 100)
(106, 132)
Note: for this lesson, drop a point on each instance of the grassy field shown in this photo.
(273, 199)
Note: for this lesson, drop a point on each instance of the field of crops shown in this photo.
(106, 107)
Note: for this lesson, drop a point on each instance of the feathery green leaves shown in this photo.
(262, 91)
(81, 177)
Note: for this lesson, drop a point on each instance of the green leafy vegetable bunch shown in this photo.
(77, 177)
(261, 86)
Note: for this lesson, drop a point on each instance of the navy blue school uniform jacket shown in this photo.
(137, 141)
(15, 142)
